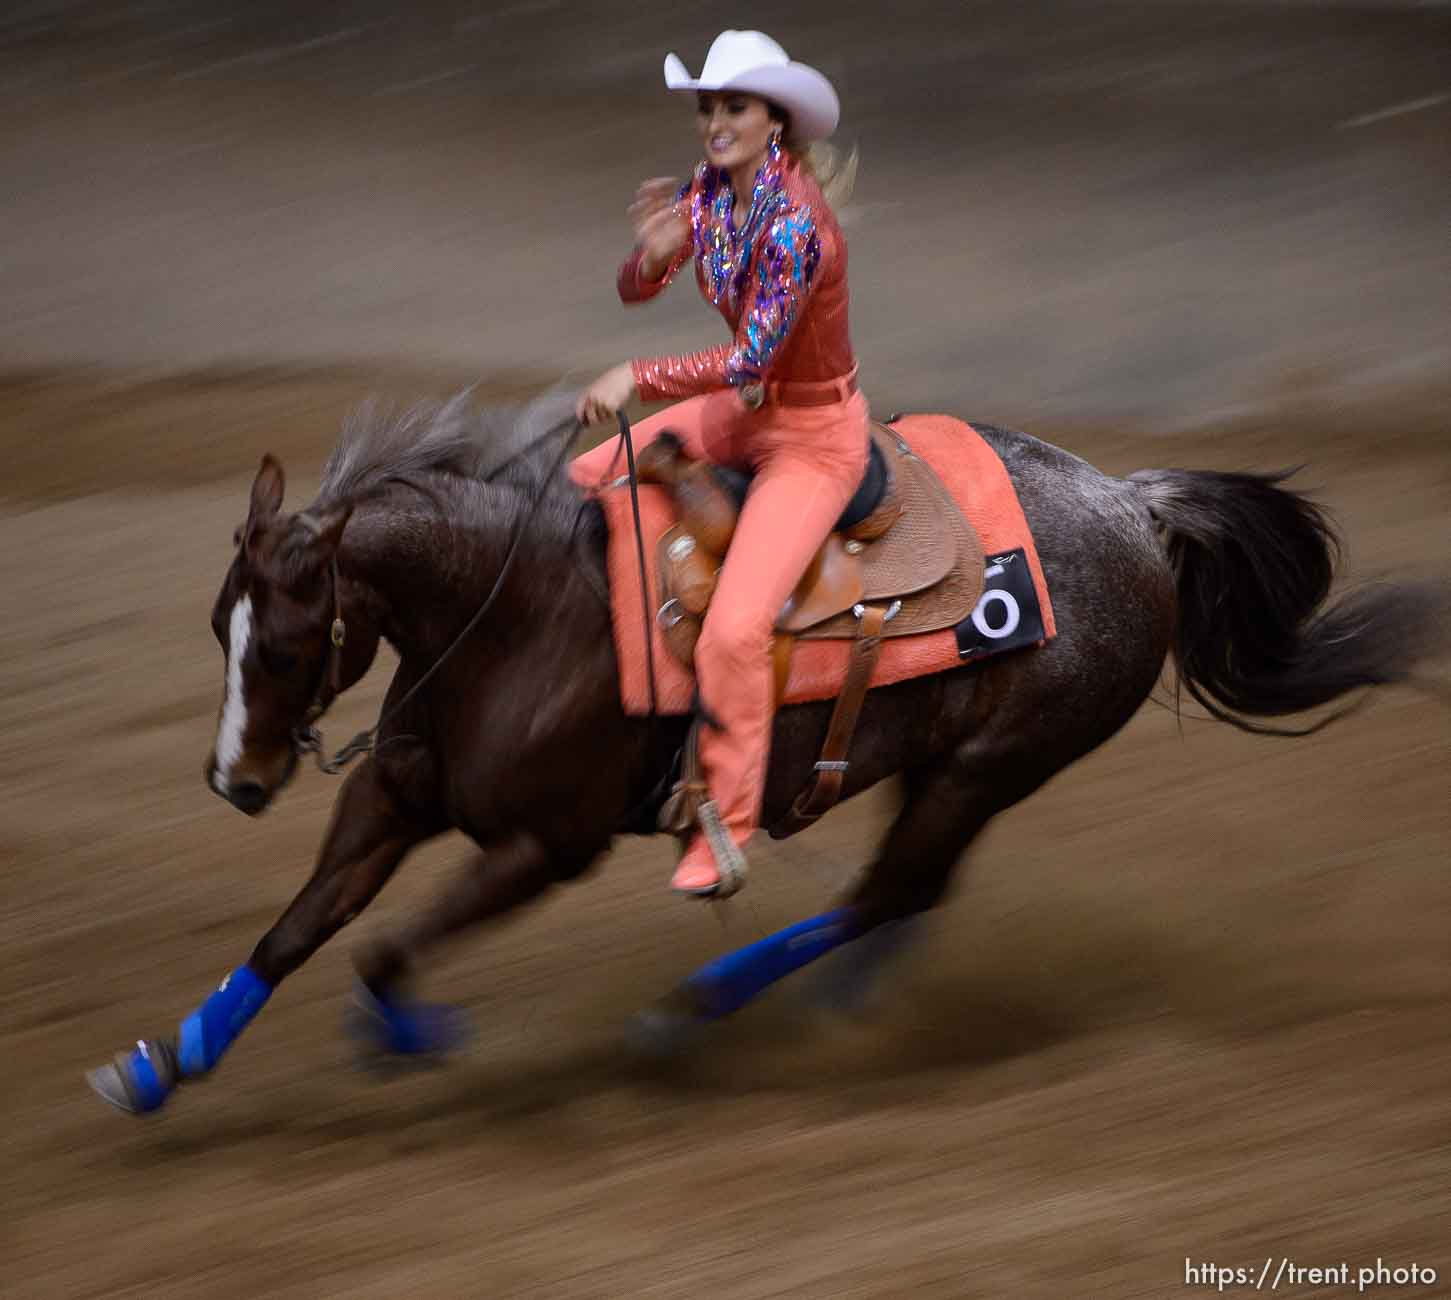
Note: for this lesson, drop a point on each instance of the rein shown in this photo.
(640, 556)
(307, 739)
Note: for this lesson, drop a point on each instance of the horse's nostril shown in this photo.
(248, 796)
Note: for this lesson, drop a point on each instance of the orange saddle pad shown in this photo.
(969, 469)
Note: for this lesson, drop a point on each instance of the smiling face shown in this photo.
(735, 129)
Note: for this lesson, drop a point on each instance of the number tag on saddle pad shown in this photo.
(1007, 616)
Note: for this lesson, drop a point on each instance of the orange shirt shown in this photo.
(779, 281)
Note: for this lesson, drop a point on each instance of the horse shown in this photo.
(456, 536)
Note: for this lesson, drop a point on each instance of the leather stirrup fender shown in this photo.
(831, 768)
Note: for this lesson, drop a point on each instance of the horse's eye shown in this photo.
(276, 663)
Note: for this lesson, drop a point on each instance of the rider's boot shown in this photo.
(713, 865)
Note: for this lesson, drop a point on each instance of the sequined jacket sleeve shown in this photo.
(632, 284)
(782, 270)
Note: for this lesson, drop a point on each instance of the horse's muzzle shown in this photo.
(247, 794)
(248, 797)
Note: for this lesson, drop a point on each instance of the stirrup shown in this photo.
(730, 862)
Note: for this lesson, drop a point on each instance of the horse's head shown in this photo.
(274, 618)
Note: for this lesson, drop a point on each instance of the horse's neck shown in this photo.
(429, 569)
(412, 569)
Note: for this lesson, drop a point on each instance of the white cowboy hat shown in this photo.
(753, 63)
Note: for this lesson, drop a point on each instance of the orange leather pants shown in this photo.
(807, 462)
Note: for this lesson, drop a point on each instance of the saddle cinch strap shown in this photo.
(902, 559)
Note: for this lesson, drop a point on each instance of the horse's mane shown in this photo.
(381, 445)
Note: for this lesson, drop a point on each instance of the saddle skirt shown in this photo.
(930, 558)
(956, 499)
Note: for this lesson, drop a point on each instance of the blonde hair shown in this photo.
(832, 170)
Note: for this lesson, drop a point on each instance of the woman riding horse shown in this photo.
(411, 539)
(780, 400)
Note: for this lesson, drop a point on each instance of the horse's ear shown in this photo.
(267, 489)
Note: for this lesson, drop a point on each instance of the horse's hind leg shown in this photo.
(943, 812)
(946, 806)
(367, 839)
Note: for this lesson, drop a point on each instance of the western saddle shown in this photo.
(901, 560)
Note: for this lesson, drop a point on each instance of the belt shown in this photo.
(800, 392)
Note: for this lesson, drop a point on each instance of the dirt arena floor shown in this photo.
(1187, 1006)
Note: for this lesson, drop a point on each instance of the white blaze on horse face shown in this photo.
(234, 711)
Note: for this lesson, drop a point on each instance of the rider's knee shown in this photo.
(733, 641)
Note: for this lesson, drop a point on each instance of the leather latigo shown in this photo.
(685, 592)
(694, 571)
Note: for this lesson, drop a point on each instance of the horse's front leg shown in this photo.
(513, 870)
(368, 837)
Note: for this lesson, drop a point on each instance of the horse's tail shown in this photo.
(1253, 563)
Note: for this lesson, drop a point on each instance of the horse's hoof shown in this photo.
(138, 1081)
(414, 1030)
(662, 1034)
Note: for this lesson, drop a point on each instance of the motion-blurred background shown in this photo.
(1191, 1002)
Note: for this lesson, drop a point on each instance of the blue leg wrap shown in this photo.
(845, 984)
(418, 1029)
(729, 982)
(214, 1026)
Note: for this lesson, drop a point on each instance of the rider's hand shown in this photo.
(606, 395)
(661, 225)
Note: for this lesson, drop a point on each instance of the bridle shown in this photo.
(307, 739)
